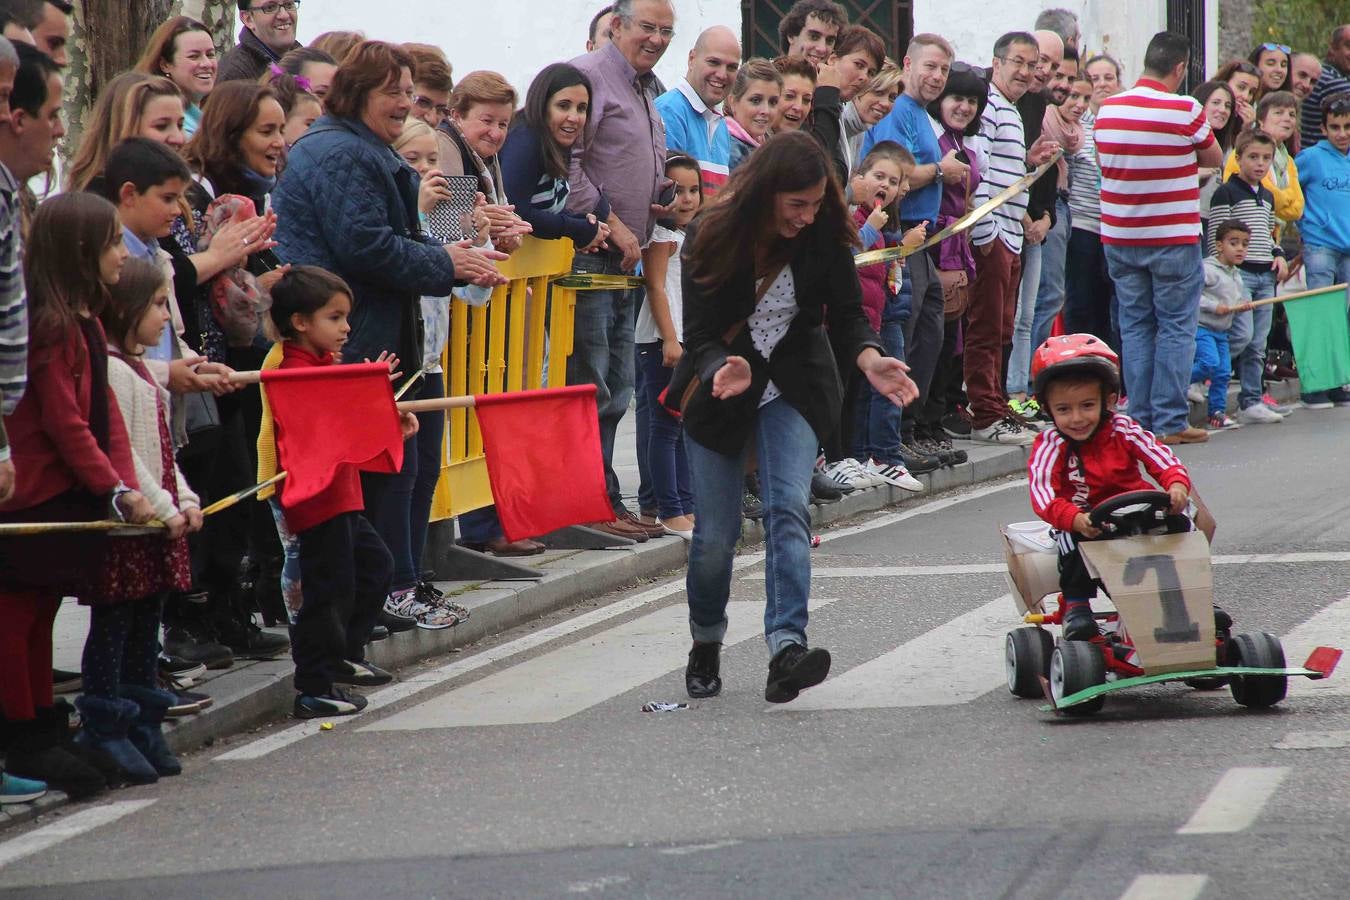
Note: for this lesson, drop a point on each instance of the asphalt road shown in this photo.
(524, 768)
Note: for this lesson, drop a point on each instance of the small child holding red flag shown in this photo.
(345, 568)
(1091, 455)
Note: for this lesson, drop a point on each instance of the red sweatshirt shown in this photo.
(344, 494)
(54, 450)
(1067, 479)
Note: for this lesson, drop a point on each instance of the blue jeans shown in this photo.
(1158, 289)
(1019, 362)
(1212, 364)
(876, 429)
(1050, 294)
(786, 448)
(1089, 296)
(602, 354)
(1249, 356)
(430, 437)
(666, 461)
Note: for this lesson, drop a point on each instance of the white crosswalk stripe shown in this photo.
(551, 687)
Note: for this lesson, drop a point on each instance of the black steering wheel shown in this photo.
(1138, 512)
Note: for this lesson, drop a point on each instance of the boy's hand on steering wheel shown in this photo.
(1180, 497)
(1082, 524)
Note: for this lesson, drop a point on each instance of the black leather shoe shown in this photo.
(793, 669)
(824, 489)
(701, 678)
(1079, 624)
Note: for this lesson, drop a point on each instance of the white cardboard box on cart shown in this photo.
(1162, 585)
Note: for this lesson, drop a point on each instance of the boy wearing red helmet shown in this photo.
(1090, 455)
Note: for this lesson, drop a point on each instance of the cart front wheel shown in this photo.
(1075, 666)
(1027, 658)
(1264, 651)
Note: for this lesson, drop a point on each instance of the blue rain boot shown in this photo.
(147, 731)
(106, 724)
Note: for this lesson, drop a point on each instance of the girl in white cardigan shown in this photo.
(121, 696)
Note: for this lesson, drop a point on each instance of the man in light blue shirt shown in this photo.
(693, 124)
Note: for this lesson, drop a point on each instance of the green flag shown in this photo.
(1320, 334)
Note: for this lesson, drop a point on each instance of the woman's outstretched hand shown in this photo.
(889, 376)
(732, 379)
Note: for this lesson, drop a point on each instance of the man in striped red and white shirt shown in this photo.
(1150, 143)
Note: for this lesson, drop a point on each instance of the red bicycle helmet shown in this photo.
(1074, 354)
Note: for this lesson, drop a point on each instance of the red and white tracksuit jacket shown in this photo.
(1068, 478)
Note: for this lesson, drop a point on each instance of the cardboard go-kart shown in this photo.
(1156, 572)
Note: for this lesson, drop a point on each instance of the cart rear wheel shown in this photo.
(1074, 666)
(1264, 651)
(1027, 658)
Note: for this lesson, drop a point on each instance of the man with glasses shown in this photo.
(267, 35)
(1335, 79)
(1151, 232)
(997, 239)
(620, 155)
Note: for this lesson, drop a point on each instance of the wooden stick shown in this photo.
(1300, 295)
(122, 529)
(227, 502)
(416, 406)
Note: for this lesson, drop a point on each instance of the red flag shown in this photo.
(543, 459)
(329, 416)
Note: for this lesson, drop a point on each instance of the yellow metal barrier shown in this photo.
(519, 341)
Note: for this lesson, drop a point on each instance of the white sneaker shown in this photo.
(847, 473)
(1005, 431)
(895, 475)
(1197, 393)
(1259, 414)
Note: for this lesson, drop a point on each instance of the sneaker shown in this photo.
(337, 702)
(192, 698)
(823, 490)
(957, 425)
(1026, 408)
(702, 676)
(14, 789)
(793, 669)
(394, 622)
(64, 682)
(917, 461)
(183, 671)
(1316, 400)
(1259, 414)
(1339, 396)
(1005, 431)
(1188, 435)
(753, 508)
(188, 644)
(894, 475)
(378, 633)
(1225, 422)
(405, 603)
(247, 641)
(846, 473)
(1283, 409)
(939, 445)
(361, 674)
(431, 595)
(1197, 393)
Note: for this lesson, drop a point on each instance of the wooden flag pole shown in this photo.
(416, 406)
(1300, 295)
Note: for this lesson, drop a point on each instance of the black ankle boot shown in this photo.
(1079, 624)
(701, 676)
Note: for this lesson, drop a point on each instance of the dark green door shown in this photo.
(893, 20)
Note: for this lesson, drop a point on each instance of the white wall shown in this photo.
(514, 37)
(519, 37)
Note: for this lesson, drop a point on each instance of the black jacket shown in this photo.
(825, 126)
(1041, 194)
(803, 365)
(248, 60)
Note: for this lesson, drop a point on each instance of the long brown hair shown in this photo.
(128, 300)
(745, 210)
(214, 149)
(61, 261)
(115, 117)
(160, 48)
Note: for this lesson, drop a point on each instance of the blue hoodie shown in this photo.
(1324, 174)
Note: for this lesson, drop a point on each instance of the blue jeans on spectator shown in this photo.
(667, 464)
(1089, 304)
(1213, 363)
(602, 354)
(876, 432)
(1019, 362)
(1249, 357)
(430, 438)
(1050, 294)
(1158, 289)
(786, 449)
